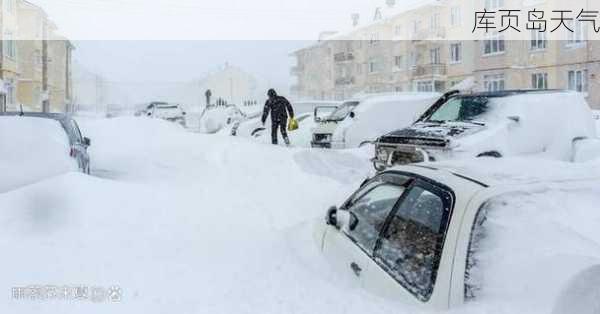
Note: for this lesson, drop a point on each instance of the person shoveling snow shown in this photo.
(279, 108)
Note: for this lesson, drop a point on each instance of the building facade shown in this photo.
(419, 49)
(35, 67)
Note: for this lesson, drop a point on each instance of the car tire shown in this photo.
(492, 154)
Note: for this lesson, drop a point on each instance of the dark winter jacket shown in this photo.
(279, 108)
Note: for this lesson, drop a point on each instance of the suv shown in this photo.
(491, 124)
(413, 234)
(362, 120)
(78, 143)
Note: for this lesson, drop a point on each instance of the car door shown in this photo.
(406, 258)
(350, 251)
(79, 146)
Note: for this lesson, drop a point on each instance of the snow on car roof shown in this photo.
(371, 100)
(519, 170)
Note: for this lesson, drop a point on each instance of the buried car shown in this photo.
(46, 130)
(492, 124)
(438, 236)
(166, 111)
(364, 119)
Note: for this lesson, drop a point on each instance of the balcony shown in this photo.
(437, 33)
(344, 81)
(429, 70)
(343, 57)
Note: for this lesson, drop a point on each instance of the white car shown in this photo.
(414, 234)
(166, 111)
(492, 124)
(364, 119)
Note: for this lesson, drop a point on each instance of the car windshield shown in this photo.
(461, 109)
(343, 111)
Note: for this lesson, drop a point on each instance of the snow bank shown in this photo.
(32, 149)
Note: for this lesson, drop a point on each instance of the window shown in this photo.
(578, 80)
(414, 59)
(374, 65)
(9, 5)
(10, 47)
(374, 39)
(425, 86)
(539, 81)
(399, 62)
(456, 52)
(434, 21)
(493, 4)
(10, 92)
(411, 245)
(455, 16)
(579, 34)
(493, 83)
(398, 30)
(461, 109)
(371, 207)
(538, 40)
(493, 44)
(434, 56)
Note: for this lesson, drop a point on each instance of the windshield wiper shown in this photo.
(474, 122)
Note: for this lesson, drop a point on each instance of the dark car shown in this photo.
(78, 143)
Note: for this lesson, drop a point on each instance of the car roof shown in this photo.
(46, 115)
(512, 92)
(490, 172)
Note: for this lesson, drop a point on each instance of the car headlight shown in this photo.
(381, 154)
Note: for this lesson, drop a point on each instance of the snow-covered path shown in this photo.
(182, 223)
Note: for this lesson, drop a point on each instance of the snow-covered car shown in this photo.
(309, 106)
(52, 133)
(439, 235)
(364, 119)
(166, 111)
(253, 128)
(491, 124)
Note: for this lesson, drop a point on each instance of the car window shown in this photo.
(411, 246)
(76, 131)
(461, 109)
(478, 234)
(371, 211)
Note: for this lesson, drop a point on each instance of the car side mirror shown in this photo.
(184, 113)
(87, 141)
(352, 115)
(341, 218)
(149, 114)
(515, 119)
(317, 119)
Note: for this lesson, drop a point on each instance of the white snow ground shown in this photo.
(188, 223)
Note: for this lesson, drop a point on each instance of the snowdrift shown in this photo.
(32, 149)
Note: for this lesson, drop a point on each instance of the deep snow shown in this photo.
(193, 223)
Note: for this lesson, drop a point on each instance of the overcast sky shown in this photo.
(171, 41)
(202, 19)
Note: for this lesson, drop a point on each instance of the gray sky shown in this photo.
(167, 41)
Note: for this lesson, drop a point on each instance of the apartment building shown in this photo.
(9, 72)
(423, 49)
(36, 62)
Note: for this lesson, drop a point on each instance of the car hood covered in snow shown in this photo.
(431, 134)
